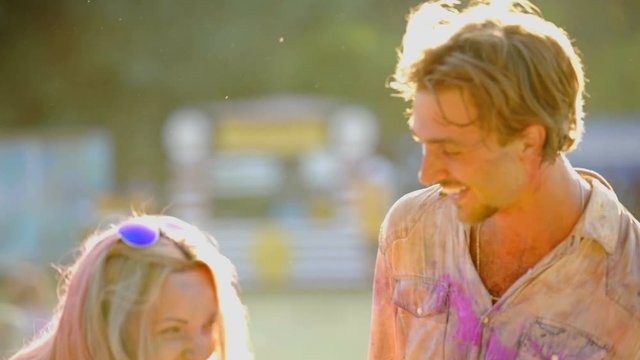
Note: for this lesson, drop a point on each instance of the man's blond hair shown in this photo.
(518, 68)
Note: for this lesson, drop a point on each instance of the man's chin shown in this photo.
(475, 216)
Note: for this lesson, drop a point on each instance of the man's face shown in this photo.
(480, 176)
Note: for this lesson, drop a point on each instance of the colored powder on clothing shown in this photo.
(498, 351)
(468, 327)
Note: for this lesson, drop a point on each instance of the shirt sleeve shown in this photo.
(382, 341)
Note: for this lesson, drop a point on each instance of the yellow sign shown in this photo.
(282, 136)
(272, 254)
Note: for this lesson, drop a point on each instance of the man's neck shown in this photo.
(546, 213)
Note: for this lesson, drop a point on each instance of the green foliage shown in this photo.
(608, 35)
(126, 65)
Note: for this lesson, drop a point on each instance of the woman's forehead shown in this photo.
(187, 293)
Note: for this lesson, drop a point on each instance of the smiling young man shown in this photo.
(510, 252)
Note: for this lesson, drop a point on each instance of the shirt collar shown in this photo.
(600, 220)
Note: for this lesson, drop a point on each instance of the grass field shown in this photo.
(309, 325)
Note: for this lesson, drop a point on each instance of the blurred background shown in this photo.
(267, 123)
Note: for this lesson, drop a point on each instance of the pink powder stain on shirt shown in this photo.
(468, 327)
(541, 350)
(498, 351)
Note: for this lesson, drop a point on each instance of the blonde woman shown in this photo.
(152, 287)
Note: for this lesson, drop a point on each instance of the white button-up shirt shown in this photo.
(581, 301)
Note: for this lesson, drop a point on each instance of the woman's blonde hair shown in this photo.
(112, 283)
(518, 68)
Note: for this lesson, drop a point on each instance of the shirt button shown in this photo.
(485, 320)
(419, 311)
(554, 357)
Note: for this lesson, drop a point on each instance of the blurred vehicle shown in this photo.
(290, 185)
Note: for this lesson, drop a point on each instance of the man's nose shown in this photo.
(432, 169)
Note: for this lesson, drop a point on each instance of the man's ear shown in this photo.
(533, 138)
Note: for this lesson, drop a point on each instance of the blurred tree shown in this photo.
(125, 65)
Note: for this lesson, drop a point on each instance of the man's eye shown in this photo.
(451, 152)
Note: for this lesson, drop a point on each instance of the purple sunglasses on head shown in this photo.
(144, 231)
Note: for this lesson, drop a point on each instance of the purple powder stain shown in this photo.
(540, 349)
(468, 327)
(441, 291)
(498, 351)
(533, 345)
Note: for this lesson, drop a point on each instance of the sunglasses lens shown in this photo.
(138, 233)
